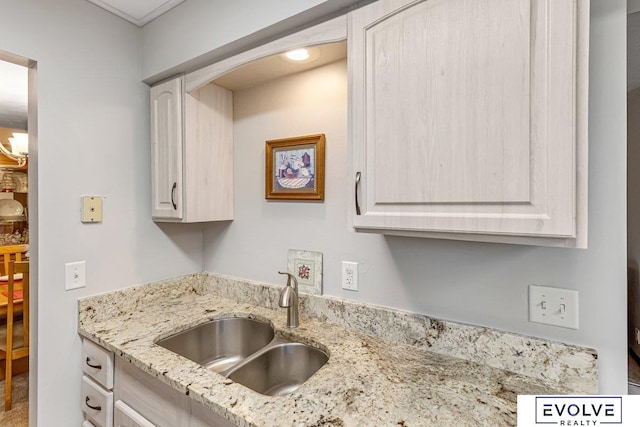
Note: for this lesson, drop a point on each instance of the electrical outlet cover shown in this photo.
(306, 266)
(350, 275)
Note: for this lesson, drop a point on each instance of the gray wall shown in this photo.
(199, 32)
(94, 140)
(482, 284)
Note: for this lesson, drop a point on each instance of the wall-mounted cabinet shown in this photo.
(166, 149)
(191, 153)
(192, 124)
(468, 119)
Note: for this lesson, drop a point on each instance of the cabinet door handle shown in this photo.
(358, 175)
(95, 408)
(88, 362)
(173, 192)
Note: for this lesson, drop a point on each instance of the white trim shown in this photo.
(331, 31)
(169, 4)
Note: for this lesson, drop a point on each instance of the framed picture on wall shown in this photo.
(294, 168)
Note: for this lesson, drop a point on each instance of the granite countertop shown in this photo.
(367, 381)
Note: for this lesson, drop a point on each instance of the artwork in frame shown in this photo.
(306, 266)
(294, 168)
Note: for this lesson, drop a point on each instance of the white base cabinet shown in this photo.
(191, 153)
(125, 416)
(97, 403)
(157, 403)
(97, 385)
(468, 119)
(140, 399)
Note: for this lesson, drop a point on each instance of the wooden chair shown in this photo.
(7, 254)
(14, 336)
(11, 253)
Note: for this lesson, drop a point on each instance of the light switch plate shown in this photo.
(75, 275)
(553, 306)
(91, 209)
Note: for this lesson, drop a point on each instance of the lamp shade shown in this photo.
(19, 143)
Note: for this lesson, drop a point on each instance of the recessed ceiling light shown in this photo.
(298, 54)
(302, 55)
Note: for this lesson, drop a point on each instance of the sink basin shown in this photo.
(247, 352)
(221, 343)
(280, 369)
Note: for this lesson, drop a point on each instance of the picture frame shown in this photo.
(294, 168)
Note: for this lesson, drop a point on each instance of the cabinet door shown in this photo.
(156, 401)
(125, 416)
(201, 416)
(468, 117)
(166, 149)
(208, 154)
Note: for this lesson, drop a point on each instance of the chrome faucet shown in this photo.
(289, 300)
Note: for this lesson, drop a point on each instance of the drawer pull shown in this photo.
(95, 408)
(88, 362)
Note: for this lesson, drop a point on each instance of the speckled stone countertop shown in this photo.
(389, 368)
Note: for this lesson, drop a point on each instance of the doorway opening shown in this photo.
(18, 239)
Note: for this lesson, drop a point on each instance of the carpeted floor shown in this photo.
(18, 416)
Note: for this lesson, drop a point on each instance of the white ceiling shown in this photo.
(13, 95)
(137, 11)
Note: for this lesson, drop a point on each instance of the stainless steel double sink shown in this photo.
(247, 351)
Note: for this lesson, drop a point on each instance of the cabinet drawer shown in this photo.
(97, 403)
(97, 363)
(125, 416)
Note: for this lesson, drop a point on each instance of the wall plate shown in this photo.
(91, 209)
(553, 306)
(350, 275)
(75, 275)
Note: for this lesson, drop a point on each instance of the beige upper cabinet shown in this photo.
(191, 153)
(166, 149)
(468, 119)
(192, 123)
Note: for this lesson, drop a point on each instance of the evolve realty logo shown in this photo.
(578, 411)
